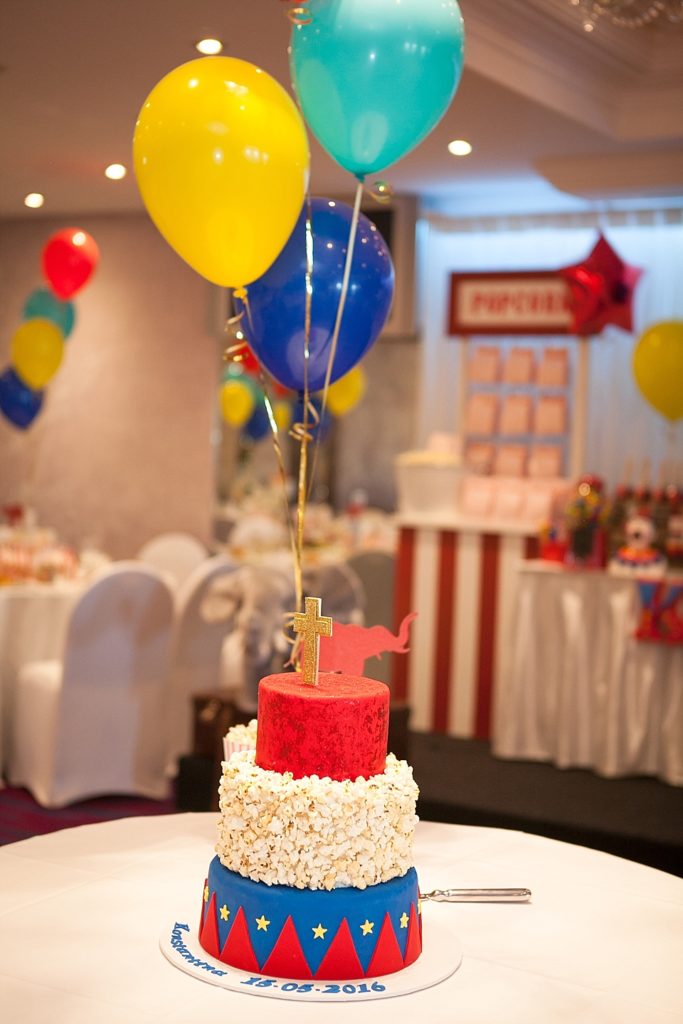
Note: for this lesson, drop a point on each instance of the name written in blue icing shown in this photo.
(179, 945)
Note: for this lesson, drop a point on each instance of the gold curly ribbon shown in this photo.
(381, 191)
(300, 14)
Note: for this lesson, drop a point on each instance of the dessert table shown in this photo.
(579, 690)
(33, 619)
(82, 911)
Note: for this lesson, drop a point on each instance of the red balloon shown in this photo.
(69, 259)
(602, 288)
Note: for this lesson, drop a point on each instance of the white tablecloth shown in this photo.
(579, 689)
(33, 619)
(81, 912)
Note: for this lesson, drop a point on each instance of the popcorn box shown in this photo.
(428, 482)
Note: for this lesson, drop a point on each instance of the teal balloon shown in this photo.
(374, 77)
(42, 303)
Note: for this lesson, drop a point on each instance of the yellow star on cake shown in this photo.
(367, 927)
(404, 920)
(319, 932)
(225, 913)
(262, 924)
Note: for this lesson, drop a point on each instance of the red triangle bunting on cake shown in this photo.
(414, 943)
(208, 936)
(238, 950)
(287, 958)
(387, 956)
(341, 960)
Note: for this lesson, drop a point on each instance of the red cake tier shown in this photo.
(338, 728)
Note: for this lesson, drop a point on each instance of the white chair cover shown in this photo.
(93, 723)
(200, 630)
(176, 554)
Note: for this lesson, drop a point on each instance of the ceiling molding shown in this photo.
(654, 174)
(607, 80)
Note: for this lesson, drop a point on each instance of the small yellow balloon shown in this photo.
(37, 348)
(346, 392)
(221, 159)
(282, 413)
(658, 367)
(237, 402)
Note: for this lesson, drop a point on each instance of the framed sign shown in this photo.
(509, 302)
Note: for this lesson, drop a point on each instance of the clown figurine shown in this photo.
(638, 557)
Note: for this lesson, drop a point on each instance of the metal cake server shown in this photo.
(477, 895)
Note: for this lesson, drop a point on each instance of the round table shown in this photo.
(33, 620)
(82, 910)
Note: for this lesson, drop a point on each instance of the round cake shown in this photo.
(314, 876)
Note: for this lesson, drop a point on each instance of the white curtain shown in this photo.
(625, 436)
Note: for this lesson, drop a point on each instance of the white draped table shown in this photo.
(33, 619)
(81, 912)
(579, 690)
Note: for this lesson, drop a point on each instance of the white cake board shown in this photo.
(440, 958)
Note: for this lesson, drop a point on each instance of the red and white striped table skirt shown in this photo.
(463, 585)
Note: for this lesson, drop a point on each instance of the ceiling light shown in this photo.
(209, 47)
(34, 200)
(459, 147)
(115, 172)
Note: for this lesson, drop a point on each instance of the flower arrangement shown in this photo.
(585, 519)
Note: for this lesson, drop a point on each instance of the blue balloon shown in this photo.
(374, 77)
(42, 303)
(258, 425)
(17, 402)
(275, 324)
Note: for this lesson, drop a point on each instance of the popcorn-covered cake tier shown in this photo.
(306, 934)
(337, 729)
(316, 833)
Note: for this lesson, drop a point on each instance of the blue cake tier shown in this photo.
(314, 934)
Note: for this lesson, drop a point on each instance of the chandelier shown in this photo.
(628, 13)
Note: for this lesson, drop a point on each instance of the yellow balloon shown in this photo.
(282, 413)
(37, 348)
(237, 402)
(658, 367)
(346, 392)
(221, 159)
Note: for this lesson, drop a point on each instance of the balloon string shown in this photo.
(340, 313)
(241, 294)
(301, 431)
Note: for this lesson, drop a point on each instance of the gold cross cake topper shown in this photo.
(312, 625)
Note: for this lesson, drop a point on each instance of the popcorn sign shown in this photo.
(524, 302)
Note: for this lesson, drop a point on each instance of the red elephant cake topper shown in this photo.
(349, 646)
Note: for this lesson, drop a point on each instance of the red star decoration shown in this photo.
(602, 288)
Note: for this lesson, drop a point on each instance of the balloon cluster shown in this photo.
(222, 163)
(37, 346)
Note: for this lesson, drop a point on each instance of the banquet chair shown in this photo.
(176, 554)
(92, 723)
(201, 626)
(376, 571)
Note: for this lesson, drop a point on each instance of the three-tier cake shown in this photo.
(313, 877)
